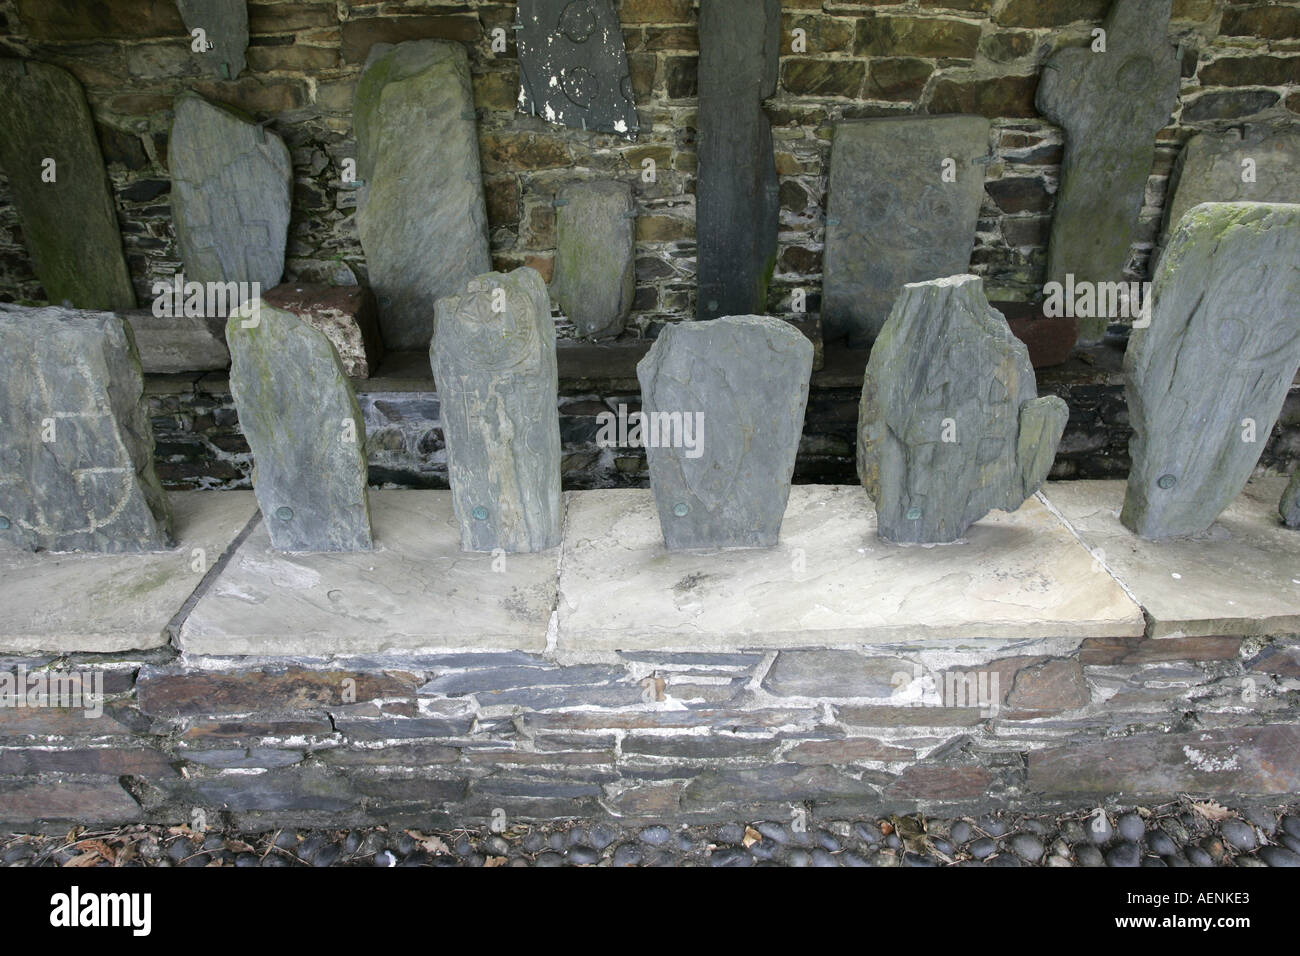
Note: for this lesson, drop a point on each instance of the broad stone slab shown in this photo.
(737, 201)
(1111, 106)
(573, 67)
(722, 411)
(76, 446)
(346, 314)
(232, 182)
(1289, 507)
(494, 365)
(225, 26)
(50, 154)
(904, 202)
(304, 427)
(595, 272)
(420, 210)
(950, 425)
(1207, 380)
(172, 344)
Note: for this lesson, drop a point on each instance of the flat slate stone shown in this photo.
(494, 365)
(595, 271)
(69, 225)
(76, 449)
(346, 314)
(424, 235)
(573, 67)
(304, 427)
(1289, 507)
(737, 205)
(1111, 106)
(723, 406)
(891, 216)
(1226, 315)
(950, 424)
(232, 182)
(171, 344)
(225, 24)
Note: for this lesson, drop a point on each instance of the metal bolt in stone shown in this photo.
(480, 513)
(681, 509)
(284, 513)
(1167, 481)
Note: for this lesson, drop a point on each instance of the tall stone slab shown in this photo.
(573, 66)
(232, 186)
(304, 427)
(950, 426)
(1207, 380)
(722, 413)
(1111, 105)
(76, 446)
(595, 270)
(420, 209)
(904, 203)
(49, 152)
(1289, 507)
(494, 365)
(737, 203)
(225, 26)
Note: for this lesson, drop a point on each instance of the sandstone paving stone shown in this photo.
(1289, 507)
(346, 314)
(225, 27)
(169, 345)
(595, 270)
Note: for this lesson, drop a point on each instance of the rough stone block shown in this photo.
(170, 344)
(225, 26)
(595, 273)
(346, 314)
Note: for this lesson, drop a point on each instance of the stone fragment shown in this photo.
(1290, 505)
(225, 27)
(898, 212)
(1225, 316)
(738, 196)
(573, 67)
(722, 413)
(232, 182)
(1111, 105)
(346, 314)
(494, 365)
(304, 427)
(51, 156)
(171, 344)
(595, 273)
(424, 235)
(76, 446)
(950, 426)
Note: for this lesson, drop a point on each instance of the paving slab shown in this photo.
(106, 603)
(1241, 577)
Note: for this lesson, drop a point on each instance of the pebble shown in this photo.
(731, 833)
(823, 858)
(1072, 832)
(550, 859)
(797, 858)
(23, 851)
(774, 832)
(1264, 819)
(983, 848)
(1124, 854)
(583, 856)
(1153, 861)
(1214, 846)
(533, 841)
(730, 856)
(1100, 830)
(655, 836)
(1058, 861)
(763, 850)
(327, 855)
(1131, 827)
(1160, 843)
(1238, 835)
(1027, 847)
(1291, 843)
(1291, 826)
(1198, 857)
(627, 855)
(1250, 861)
(385, 858)
(1277, 856)
(1005, 859)
(497, 846)
(852, 859)
(992, 826)
(960, 833)
(868, 833)
(602, 836)
(916, 859)
(828, 842)
(1089, 855)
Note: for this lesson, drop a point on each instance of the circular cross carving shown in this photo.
(577, 22)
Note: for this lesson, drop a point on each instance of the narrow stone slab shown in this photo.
(346, 314)
(69, 224)
(1242, 577)
(101, 603)
(950, 424)
(302, 422)
(417, 590)
(424, 236)
(830, 583)
(171, 344)
(1207, 379)
(1289, 507)
(898, 212)
(76, 447)
(225, 25)
(573, 67)
(595, 272)
(723, 405)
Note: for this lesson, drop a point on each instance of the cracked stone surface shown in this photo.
(595, 271)
(225, 23)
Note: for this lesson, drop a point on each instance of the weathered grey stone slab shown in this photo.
(304, 427)
(722, 412)
(897, 212)
(346, 314)
(595, 272)
(1289, 507)
(1207, 379)
(737, 204)
(1111, 106)
(69, 224)
(420, 210)
(573, 67)
(170, 344)
(225, 25)
(950, 426)
(232, 182)
(76, 446)
(494, 365)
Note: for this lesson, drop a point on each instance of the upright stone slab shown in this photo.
(76, 446)
(1207, 379)
(225, 25)
(304, 427)
(950, 426)
(722, 412)
(904, 203)
(573, 67)
(595, 271)
(737, 203)
(420, 213)
(1289, 507)
(1111, 106)
(49, 152)
(494, 365)
(232, 183)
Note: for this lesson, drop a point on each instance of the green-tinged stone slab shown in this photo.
(595, 274)
(225, 25)
(1289, 507)
(170, 344)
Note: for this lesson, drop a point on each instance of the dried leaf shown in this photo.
(85, 859)
(1211, 811)
(752, 836)
(96, 846)
(495, 861)
(238, 846)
